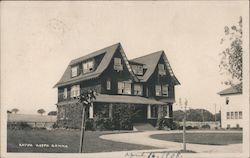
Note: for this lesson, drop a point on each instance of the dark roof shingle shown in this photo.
(236, 89)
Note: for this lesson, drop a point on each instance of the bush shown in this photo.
(205, 126)
(19, 125)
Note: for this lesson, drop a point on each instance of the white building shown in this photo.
(232, 109)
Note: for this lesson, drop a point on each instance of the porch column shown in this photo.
(110, 110)
(91, 110)
(149, 111)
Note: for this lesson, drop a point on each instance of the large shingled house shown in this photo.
(147, 83)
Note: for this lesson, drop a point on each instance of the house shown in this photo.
(147, 83)
(232, 110)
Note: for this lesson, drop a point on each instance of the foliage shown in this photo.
(194, 115)
(52, 113)
(19, 125)
(205, 126)
(231, 57)
(15, 110)
(41, 111)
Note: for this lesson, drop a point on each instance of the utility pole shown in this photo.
(184, 125)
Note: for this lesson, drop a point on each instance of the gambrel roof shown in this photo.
(151, 62)
(236, 89)
(108, 53)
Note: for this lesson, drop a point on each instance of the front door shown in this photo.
(140, 114)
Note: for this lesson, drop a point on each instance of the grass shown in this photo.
(202, 138)
(69, 138)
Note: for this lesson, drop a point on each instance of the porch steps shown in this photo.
(143, 127)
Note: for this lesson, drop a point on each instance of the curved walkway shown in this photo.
(143, 138)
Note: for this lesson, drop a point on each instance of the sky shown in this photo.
(38, 40)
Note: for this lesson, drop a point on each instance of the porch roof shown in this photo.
(126, 99)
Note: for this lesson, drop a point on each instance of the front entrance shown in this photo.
(140, 114)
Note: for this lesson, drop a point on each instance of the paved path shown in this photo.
(143, 138)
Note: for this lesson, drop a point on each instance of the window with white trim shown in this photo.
(232, 115)
(240, 115)
(108, 84)
(138, 89)
(236, 115)
(88, 66)
(165, 90)
(158, 90)
(75, 91)
(161, 69)
(117, 61)
(74, 71)
(228, 115)
(124, 88)
(65, 93)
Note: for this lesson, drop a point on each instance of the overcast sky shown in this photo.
(40, 38)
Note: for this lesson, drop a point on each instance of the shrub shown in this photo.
(205, 126)
(89, 124)
(19, 125)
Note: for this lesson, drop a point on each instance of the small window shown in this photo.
(161, 69)
(74, 71)
(236, 115)
(240, 115)
(117, 61)
(108, 85)
(138, 89)
(88, 66)
(228, 115)
(232, 115)
(165, 90)
(75, 91)
(158, 90)
(227, 100)
(124, 88)
(65, 92)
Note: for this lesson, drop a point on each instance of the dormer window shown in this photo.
(137, 69)
(118, 64)
(161, 69)
(74, 71)
(88, 66)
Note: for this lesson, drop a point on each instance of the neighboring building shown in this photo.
(232, 110)
(146, 83)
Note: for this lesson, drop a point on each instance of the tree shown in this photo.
(41, 111)
(231, 56)
(53, 113)
(15, 110)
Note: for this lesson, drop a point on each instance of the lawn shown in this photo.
(64, 141)
(202, 138)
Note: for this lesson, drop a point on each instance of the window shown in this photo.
(161, 69)
(232, 115)
(74, 71)
(158, 90)
(124, 88)
(75, 91)
(154, 111)
(240, 115)
(108, 84)
(137, 69)
(236, 115)
(88, 66)
(118, 64)
(165, 90)
(117, 61)
(138, 89)
(65, 92)
(227, 100)
(228, 115)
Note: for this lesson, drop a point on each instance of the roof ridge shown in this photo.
(91, 54)
(160, 51)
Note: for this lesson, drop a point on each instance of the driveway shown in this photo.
(143, 138)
